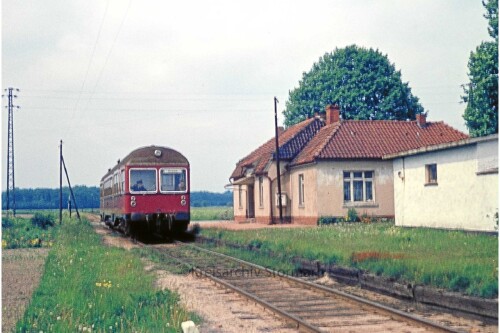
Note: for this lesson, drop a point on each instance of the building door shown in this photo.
(250, 203)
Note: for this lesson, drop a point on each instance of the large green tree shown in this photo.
(481, 93)
(361, 81)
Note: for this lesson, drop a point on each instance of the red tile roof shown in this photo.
(292, 140)
(372, 139)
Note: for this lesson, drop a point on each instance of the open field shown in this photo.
(453, 260)
(212, 213)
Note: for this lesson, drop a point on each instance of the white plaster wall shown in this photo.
(460, 200)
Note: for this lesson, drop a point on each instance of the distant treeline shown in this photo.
(88, 197)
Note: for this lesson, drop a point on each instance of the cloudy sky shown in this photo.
(109, 76)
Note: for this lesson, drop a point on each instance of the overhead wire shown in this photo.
(109, 53)
(107, 57)
(92, 55)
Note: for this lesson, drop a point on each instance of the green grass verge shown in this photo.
(87, 286)
(453, 260)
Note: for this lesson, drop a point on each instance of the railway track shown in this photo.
(308, 306)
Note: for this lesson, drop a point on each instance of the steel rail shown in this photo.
(300, 324)
(377, 308)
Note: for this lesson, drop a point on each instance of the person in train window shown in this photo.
(181, 186)
(139, 186)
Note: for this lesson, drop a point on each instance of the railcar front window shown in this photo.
(142, 180)
(173, 180)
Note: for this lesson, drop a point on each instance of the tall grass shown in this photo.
(454, 260)
(87, 286)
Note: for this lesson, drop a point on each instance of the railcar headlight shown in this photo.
(132, 201)
(183, 202)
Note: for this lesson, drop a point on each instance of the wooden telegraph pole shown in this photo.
(280, 204)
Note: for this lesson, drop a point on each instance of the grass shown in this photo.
(87, 286)
(453, 260)
(22, 233)
(211, 213)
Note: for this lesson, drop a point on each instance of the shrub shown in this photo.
(326, 220)
(352, 215)
(43, 220)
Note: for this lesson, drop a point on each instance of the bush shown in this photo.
(352, 215)
(43, 220)
(326, 220)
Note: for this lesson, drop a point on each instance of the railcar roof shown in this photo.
(150, 156)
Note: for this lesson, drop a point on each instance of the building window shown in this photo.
(240, 197)
(261, 191)
(358, 186)
(301, 190)
(431, 175)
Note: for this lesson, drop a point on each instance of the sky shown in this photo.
(109, 76)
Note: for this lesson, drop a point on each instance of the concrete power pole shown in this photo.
(11, 185)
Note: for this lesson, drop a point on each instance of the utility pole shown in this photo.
(11, 185)
(60, 182)
(280, 204)
(72, 196)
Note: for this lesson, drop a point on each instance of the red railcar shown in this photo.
(147, 191)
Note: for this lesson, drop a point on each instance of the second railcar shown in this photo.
(147, 191)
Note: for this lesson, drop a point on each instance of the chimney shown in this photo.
(332, 114)
(421, 121)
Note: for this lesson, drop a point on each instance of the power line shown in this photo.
(92, 56)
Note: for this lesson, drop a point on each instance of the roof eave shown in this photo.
(441, 146)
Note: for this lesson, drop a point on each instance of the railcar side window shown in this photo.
(142, 180)
(173, 180)
(122, 179)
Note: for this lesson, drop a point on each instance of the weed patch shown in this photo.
(24, 233)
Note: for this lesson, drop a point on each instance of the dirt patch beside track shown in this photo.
(21, 272)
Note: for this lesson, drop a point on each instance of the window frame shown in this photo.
(142, 192)
(431, 178)
(240, 197)
(301, 184)
(261, 192)
(122, 181)
(174, 191)
(351, 180)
